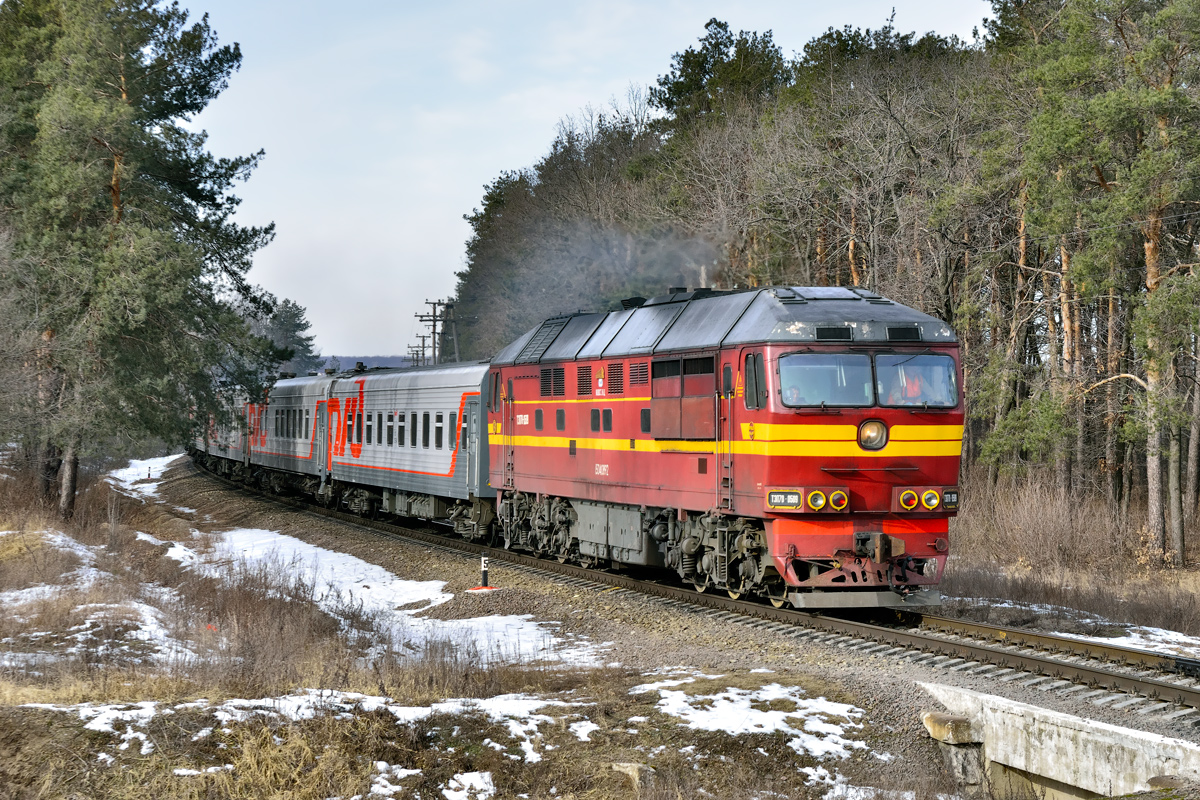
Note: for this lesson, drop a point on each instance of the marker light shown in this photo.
(908, 499)
(838, 500)
(872, 435)
(816, 500)
(930, 499)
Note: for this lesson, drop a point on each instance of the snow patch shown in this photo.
(470, 786)
(142, 477)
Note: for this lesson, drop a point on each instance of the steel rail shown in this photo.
(1034, 663)
(1018, 637)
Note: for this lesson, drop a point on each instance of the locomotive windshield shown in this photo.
(917, 380)
(830, 379)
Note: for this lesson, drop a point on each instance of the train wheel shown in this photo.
(701, 586)
(777, 594)
(734, 595)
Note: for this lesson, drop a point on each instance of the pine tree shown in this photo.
(128, 256)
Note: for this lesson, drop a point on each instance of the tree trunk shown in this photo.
(1127, 469)
(1174, 504)
(69, 481)
(1112, 365)
(1193, 458)
(1154, 391)
(49, 461)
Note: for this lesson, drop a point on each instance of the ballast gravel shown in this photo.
(644, 633)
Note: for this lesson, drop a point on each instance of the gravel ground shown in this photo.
(646, 633)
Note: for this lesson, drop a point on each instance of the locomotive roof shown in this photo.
(708, 318)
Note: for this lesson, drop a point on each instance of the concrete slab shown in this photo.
(1081, 753)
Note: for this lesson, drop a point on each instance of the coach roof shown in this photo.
(711, 319)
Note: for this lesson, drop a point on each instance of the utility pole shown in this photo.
(453, 329)
(432, 319)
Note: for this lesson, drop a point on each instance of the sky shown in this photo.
(383, 121)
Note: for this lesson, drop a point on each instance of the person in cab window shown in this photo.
(906, 389)
(792, 396)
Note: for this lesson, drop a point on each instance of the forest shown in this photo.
(1037, 187)
(126, 317)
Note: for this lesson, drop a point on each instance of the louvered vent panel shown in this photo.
(583, 379)
(547, 386)
(616, 378)
(839, 334)
(537, 346)
(639, 373)
(560, 381)
(905, 334)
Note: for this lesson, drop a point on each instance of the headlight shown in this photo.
(816, 500)
(908, 499)
(872, 435)
(838, 500)
(930, 499)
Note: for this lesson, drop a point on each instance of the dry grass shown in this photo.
(1026, 543)
(1033, 525)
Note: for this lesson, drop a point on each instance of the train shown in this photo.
(800, 445)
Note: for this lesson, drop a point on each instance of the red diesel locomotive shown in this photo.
(800, 444)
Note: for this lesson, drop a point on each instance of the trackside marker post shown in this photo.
(483, 574)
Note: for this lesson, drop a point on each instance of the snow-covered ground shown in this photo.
(346, 587)
(344, 581)
(142, 477)
(816, 728)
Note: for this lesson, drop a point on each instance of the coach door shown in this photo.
(470, 442)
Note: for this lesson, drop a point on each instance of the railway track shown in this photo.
(1098, 673)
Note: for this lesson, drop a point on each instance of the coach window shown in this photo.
(400, 417)
(306, 424)
(437, 431)
(276, 428)
(595, 419)
(425, 429)
(560, 420)
(606, 416)
(645, 420)
(379, 428)
(537, 420)
(358, 428)
(666, 387)
(370, 429)
(412, 427)
(391, 428)
(349, 427)
(454, 431)
(698, 411)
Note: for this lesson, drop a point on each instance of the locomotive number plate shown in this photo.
(785, 499)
